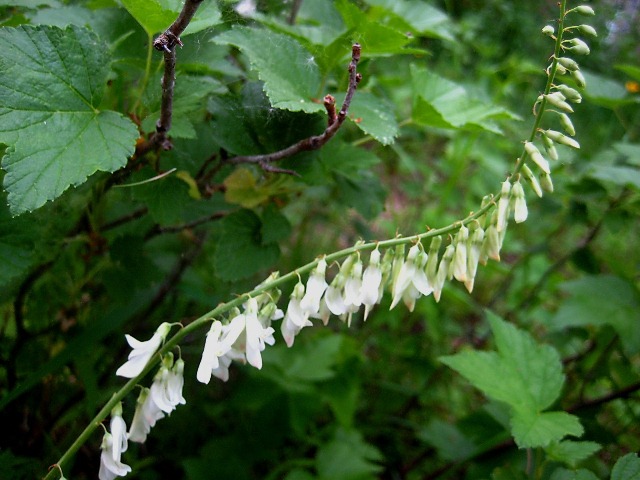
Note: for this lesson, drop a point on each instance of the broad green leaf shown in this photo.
(581, 474)
(166, 197)
(618, 174)
(421, 17)
(347, 457)
(605, 91)
(537, 367)
(522, 374)
(627, 468)
(275, 226)
(155, 16)
(51, 84)
(291, 77)
(531, 429)
(240, 250)
(441, 103)
(632, 70)
(373, 115)
(571, 452)
(316, 360)
(602, 300)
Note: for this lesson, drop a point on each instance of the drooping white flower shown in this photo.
(519, 203)
(503, 206)
(255, 334)
(353, 287)
(142, 352)
(146, 415)
(222, 370)
(113, 444)
(215, 346)
(296, 318)
(473, 257)
(411, 280)
(371, 289)
(110, 468)
(166, 390)
(460, 257)
(443, 271)
(316, 286)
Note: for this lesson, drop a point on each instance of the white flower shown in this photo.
(503, 206)
(142, 352)
(214, 348)
(519, 203)
(473, 256)
(145, 417)
(316, 286)
(110, 468)
(222, 370)
(443, 271)
(256, 335)
(353, 287)
(113, 444)
(246, 8)
(296, 317)
(166, 390)
(411, 280)
(460, 256)
(371, 288)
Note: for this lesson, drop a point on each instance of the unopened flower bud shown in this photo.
(546, 183)
(491, 244)
(520, 211)
(578, 46)
(548, 30)
(443, 271)
(588, 29)
(570, 93)
(486, 200)
(537, 157)
(550, 148)
(566, 123)
(569, 63)
(557, 100)
(460, 258)
(560, 70)
(584, 10)
(532, 179)
(579, 78)
(503, 206)
(432, 262)
(473, 256)
(561, 138)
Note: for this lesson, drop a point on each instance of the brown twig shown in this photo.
(166, 43)
(316, 141)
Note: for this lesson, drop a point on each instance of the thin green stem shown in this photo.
(550, 78)
(147, 73)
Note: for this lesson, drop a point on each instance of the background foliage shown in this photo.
(447, 391)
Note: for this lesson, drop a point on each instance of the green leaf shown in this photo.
(275, 226)
(450, 442)
(620, 175)
(627, 468)
(156, 15)
(373, 116)
(347, 457)
(602, 300)
(441, 103)
(242, 188)
(240, 251)
(531, 430)
(51, 83)
(291, 77)
(522, 374)
(571, 452)
(581, 474)
(421, 17)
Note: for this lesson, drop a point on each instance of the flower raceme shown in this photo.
(142, 351)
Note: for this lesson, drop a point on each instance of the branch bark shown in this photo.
(314, 142)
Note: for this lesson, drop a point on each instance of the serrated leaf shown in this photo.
(373, 116)
(572, 452)
(523, 374)
(419, 16)
(602, 300)
(531, 430)
(627, 468)
(51, 83)
(275, 226)
(241, 251)
(155, 15)
(291, 77)
(441, 103)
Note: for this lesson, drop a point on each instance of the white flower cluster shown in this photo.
(354, 287)
(153, 403)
